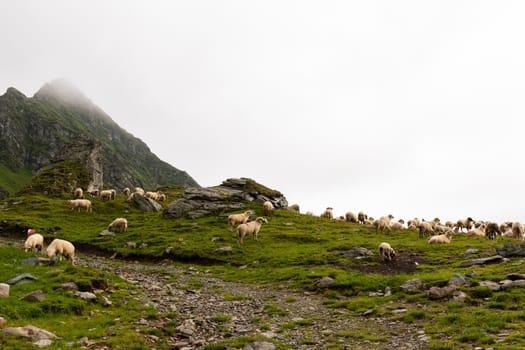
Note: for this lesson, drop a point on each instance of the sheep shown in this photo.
(294, 207)
(78, 193)
(93, 193)
(139, 190)
(126, 192)
(398, 225)
(492, 230)
(61, 247)
(152, 195)
(425, 229)
(517, 230)
(35, 242)
(440, 239)
(361, 217)
(242, 218)
(267, 208)
(327, 214)
(450, 224)
(464, 223)
(309, 213)
(162, 197)
(382, 224)
(106, 195)
(252, 227)
(478, 232)
(80, 203)
(351, 217)
(386, 252)
(120, 223)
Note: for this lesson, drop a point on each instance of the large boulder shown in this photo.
(144, 203)
(231, 195)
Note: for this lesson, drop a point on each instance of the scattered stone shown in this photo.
(472, 251)
(86, 295)
(4, 290)
(227, 249)
(105, 301)
(411, 286)
(388, 292)
(23, 278)
(32, 332)
(509, 284)
(143, 245)
(437, 293)
(458, 280)
(131, 245)
(106, 233)
(68, 286)
(516, 276)
(36, 295)
(2, 321)
(324, 282)
(358, 252)
(483, 261)
(509, 250)
(490, 285)
(368, 312)
(34, 261)
(399, 311)
(259, 345)
(459, 296)
(169, 250)
(42, 343)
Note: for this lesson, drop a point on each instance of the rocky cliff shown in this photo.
(59, 124)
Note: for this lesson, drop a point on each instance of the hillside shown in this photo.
(59, 124)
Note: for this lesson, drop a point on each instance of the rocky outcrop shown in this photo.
(509, 250)
(231, 195)
(144, 203)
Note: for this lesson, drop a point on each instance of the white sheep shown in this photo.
(517, 230)
(492, 230)
(107, 194)
(93, 193)
(34, 243)
(294, 207)
(61, 247)
(382, 224)
(425, 229)
(440, 239)
(351, 217)
(252, 227)
(78, 193)
(80, 203)
(386, 252)
(398, 225)
(126, 192)
(152, 195)
(162, 197)
(242, 218)
(361, 217)
(328, 214)
(464, 224)
(120, 223)
(139, 190)
(267, 208)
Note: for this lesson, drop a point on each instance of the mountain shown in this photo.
(59, 124)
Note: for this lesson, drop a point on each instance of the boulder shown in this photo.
(483, 261)
(514, 249)
(231, 195)
(23, 278)
(490, 285)
(437, 293)
(411, 286)
(4, 290)
(36, 295)
(325, 282)
(144, 203)
(458, 280)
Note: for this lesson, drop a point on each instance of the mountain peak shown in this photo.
(63, 91)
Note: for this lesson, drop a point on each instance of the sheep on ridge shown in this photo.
(267, 208)
(252, 227)
(361, 217)
(328, 214)
(294, 207)
(517, 230)
(440, 239)
(351, 217)
(80, 203)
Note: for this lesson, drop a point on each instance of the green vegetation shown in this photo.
(293, 251)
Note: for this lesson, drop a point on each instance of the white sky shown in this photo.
(413, 108)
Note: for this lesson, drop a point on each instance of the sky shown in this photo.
(409, 108)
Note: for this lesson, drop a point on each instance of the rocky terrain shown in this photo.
(196, 302)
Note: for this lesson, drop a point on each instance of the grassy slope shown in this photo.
(12, 181)
(297, 250)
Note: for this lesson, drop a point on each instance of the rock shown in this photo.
(86, 295)
(34, 261)
(509, 284)
(36, 295)
(68, 286)
(4, 290)
(458, 280)
(144, 203)
(483, 261)
(131, 245)
(516, 276)
(387, 292)
(471, 251)
(2, 321)
(229, 196)
(459, 296)
(357, 252)
(32, 332)
(42, 343)
(105, 301)
(23, 278)
(509, 250)
(490, 285)
(437, 293)
(411, 286)
(259, 345)
(106, 233)
(227, 249)
(325, 282)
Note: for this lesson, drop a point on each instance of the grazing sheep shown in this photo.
(425, 229)
(162, 197)
(107, 195)
(139, 190)
(440, 239)
(450, 224)
(120, 223)
(234, 219)
(478, 232)
(517, 230)
(252, 227)
(398, 225)
(386, 252)
(383, 224)
(328, 214)
(153, 195)
(351, 217)
(492, 230)
(310, 213)
(294, 207)
(93, 193)
(361, 217)
(78, 193)
(267, 208)
(34, 243)
(126, 192)
(80, 203)
(464, 224)
(61, 247)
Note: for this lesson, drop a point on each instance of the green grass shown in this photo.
(294, 256)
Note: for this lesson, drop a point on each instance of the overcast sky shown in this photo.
(414, 108)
